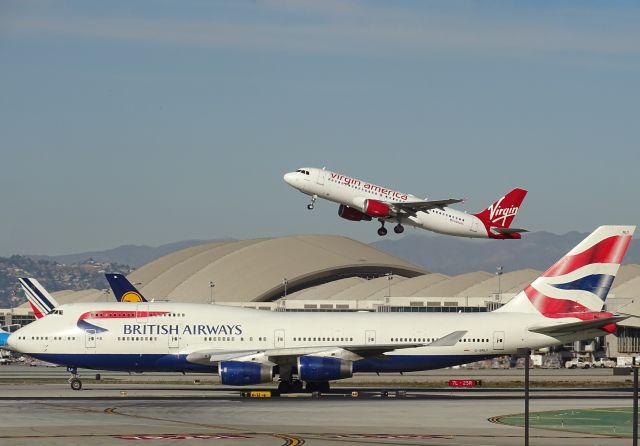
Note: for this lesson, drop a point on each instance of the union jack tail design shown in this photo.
(42, 303)
(580, 281)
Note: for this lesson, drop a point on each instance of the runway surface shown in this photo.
(37, 406)
(56, 415)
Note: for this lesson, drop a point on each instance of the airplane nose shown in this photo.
(289, 178)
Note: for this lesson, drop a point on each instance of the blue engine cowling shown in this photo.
(239, 373)
(320, 368)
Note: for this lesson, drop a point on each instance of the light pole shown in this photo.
(285, 282)
(211, 285)
(499, 271)
(389, 278)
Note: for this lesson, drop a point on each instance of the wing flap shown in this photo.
(416, 206)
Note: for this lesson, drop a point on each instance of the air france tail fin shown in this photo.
(579, 282)
(123, 289)
(42, 303)
(498, 217)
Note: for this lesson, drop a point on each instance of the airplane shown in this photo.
(246, 346)
(360, 200)
(123, 289)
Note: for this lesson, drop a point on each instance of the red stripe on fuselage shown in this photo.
(609, 250)
(105, 314)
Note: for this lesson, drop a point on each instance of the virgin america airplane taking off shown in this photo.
(246, 346)
(360, 200)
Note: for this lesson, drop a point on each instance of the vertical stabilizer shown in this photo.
(580, 281)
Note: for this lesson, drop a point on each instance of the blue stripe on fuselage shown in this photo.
(178, 363)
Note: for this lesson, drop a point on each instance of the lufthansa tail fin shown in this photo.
(123, 289)
(579, 282)
(42, 303)
(498, 217)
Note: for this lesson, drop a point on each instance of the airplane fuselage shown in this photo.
(159, 336)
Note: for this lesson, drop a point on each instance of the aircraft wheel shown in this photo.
(382, 232)
(76, 384)
(310, 207)
(284, 387)
(398, 229)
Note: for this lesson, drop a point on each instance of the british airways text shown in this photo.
(191, 329)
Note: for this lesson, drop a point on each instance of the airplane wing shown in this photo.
(282, 354)
(412, 207)
(575, 327)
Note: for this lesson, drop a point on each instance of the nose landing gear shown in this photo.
(74, 381)
(311, 205)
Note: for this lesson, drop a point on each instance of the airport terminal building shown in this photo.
(332, 273)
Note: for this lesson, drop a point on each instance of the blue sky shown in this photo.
(150, 122)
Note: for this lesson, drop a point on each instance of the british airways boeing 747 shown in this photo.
(247, 346)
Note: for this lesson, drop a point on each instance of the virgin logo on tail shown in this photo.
(499, 215)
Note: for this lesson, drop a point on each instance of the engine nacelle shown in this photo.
(239, 373)
(352, 214)
(322, 368)
(377, 208)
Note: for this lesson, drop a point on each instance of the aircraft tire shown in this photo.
(76, 384)
(382, 232)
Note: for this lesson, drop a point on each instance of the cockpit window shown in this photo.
(305, 172)
(57, 312)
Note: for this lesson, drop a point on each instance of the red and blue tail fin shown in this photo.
(123, 289)
(42, 303)
(580, 281)
(497, 218)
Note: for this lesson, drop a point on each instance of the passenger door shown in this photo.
(90, 340)
(278, 339)
(498, 340)
(370, 337)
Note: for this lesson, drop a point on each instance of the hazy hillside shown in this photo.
(134, 255)
(452, 255)
(53, 276)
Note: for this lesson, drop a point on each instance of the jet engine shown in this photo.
(352, 214)
(319, 368)
(239, 373)
(377, 208)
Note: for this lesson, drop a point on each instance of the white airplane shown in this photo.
(360, 200)
(246, 346)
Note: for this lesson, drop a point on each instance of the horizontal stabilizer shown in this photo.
(507, 231)
(576, 327)
(449, 340)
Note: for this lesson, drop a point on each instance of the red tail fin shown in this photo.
(501, 213)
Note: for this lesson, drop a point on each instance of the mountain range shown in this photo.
(441, 254)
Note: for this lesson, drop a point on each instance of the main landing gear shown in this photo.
(322, 386)
(382, 231)
(290, 386)
(74, 381)
(311, 205)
